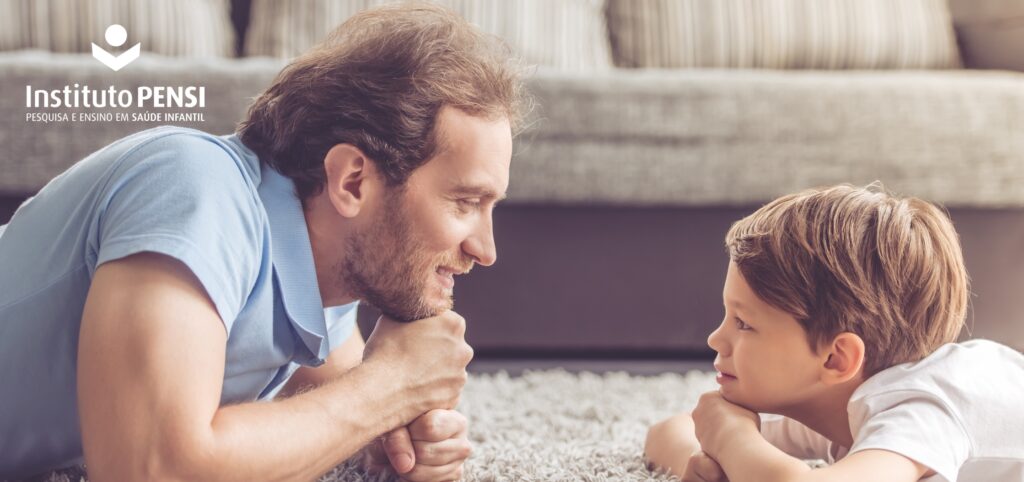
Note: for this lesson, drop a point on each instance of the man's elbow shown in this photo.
(185, 459)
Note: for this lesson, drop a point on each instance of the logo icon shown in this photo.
(116, 36)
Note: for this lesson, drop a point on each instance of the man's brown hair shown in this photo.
(859, 260)
(378, 83)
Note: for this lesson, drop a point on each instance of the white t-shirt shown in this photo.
(959, 411)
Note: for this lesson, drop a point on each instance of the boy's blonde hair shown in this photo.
(859, 260)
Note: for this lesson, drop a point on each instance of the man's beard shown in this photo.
(388, 268)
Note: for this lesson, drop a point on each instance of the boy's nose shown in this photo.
(716, 340)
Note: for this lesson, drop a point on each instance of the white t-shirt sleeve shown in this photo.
(917, 425)
(793, 438)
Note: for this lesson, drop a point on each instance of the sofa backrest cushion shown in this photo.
(570, 35)
(783, 34)
(184, 28)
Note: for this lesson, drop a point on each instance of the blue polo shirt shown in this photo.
(204, 200)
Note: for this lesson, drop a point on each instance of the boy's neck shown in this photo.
(826, 412)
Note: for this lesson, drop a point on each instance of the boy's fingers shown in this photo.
(706, 468)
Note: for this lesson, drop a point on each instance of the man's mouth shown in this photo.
(447, 275)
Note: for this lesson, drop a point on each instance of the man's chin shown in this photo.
(426, 309)
(441, 305)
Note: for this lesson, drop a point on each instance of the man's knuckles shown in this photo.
(466, 354)
(453, 321)
(445, 452)
(438, 425)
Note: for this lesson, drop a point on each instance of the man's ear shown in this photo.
(844, 359)
(350, 175)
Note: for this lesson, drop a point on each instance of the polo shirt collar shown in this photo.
(294, 270)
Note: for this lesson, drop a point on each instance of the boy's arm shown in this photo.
(730, 434)
(750, 457)
(670, 443)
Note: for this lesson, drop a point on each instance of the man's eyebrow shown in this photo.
(479, 192)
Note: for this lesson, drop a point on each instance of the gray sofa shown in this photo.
(610, 244)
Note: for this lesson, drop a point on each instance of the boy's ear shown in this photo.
(350, 178)
(844, 359)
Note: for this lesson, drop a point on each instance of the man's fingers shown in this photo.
(374, 458)
(398, 446)
(430, 473)
(438, 425)
(444, 452)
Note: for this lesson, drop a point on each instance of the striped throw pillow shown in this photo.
(185, 28)
(783, 34)
(566, 34)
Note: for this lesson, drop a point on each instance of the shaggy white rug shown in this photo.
(557, 426)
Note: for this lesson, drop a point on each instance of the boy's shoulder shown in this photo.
(955, 368)
(941, 409)
(968, 382)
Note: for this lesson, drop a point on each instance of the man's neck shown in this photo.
(327, 257)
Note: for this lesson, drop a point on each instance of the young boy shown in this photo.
(841, 309)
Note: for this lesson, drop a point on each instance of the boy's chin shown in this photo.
(731, 396)
(742, 401)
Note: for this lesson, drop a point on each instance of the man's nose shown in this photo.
(480, 245)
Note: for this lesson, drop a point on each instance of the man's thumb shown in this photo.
(398, 446)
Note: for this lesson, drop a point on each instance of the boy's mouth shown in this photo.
(723, 376)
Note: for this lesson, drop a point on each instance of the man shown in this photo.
(162, 303)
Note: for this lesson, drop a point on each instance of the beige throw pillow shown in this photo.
(566, 34)
(186, 28)
(783, 34)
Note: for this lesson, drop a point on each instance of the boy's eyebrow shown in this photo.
(735, 303)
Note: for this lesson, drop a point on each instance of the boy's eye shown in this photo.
(741, 325)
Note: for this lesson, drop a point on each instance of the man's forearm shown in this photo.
(341, 360)
(751, 458)
(301, 437)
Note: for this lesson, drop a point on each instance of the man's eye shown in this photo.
(741, 325)
(469, 203)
